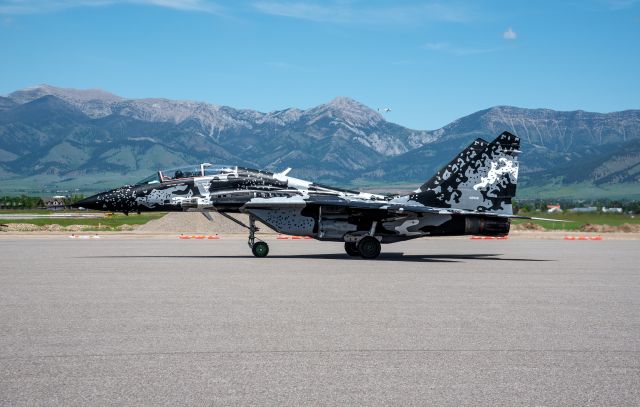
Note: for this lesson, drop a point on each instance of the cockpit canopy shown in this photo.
(151, 179)
(187, 172)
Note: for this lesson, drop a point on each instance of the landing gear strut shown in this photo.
(259, 248)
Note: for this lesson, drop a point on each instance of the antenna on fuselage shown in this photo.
(285, 172)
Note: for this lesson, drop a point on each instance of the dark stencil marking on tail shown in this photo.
(483, 177)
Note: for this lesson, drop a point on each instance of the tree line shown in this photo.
(533, 205)
(33, 202)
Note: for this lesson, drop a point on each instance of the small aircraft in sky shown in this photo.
(469, 196)
(385, 109)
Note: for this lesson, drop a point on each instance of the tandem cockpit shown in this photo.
(187, 172)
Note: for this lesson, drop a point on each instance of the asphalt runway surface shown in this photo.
(163, 321)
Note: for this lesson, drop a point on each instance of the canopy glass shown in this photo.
(186, 172)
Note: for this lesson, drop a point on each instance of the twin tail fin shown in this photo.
(482, 178)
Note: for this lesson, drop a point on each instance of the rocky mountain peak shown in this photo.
(345, 102)
(67, 94)
(346, 109)
(92, 102)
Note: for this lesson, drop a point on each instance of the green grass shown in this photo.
(578, 219)
(39, 211)
(98, 223)
(30, 211)
(48, 184)
(583, 190)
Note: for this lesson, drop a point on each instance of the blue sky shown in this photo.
(431, 62)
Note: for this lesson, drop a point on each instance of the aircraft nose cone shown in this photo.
(87, 203)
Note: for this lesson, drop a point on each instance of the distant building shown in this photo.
(588, 209)
(611, 210)
(54, 203)
(554, 209)
(9, 205)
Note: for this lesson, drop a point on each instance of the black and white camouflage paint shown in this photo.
(481, 178)
(470, 195)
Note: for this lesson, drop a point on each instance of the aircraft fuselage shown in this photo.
(471, 195)
(291, 206)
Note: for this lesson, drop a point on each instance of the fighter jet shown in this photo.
(469, 196)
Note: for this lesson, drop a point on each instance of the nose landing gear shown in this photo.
(259, 248)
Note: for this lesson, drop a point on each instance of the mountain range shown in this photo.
(53, 138)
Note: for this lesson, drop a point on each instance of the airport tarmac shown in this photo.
(164, 321)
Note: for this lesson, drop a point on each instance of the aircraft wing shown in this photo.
(354, 205)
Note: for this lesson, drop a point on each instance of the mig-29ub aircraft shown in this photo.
(469, 196)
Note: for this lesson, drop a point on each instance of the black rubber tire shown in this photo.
(369, 247)
(351, 248)
(260, 249)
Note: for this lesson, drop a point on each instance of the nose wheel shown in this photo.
(259, 248)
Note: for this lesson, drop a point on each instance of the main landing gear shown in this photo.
(368, 248)
(352, 249)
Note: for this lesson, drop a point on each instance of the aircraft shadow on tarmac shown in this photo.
(395, 257)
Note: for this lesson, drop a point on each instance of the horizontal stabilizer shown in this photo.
(543, 219)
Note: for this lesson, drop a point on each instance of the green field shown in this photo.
(579, 219)
(49, 184)
(588, 191)
(112, 222)
(31, 211)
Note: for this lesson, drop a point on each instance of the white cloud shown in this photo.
(509, 34)
(36, 6)
(349, 12)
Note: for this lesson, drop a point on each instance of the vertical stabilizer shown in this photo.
(482, 178)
